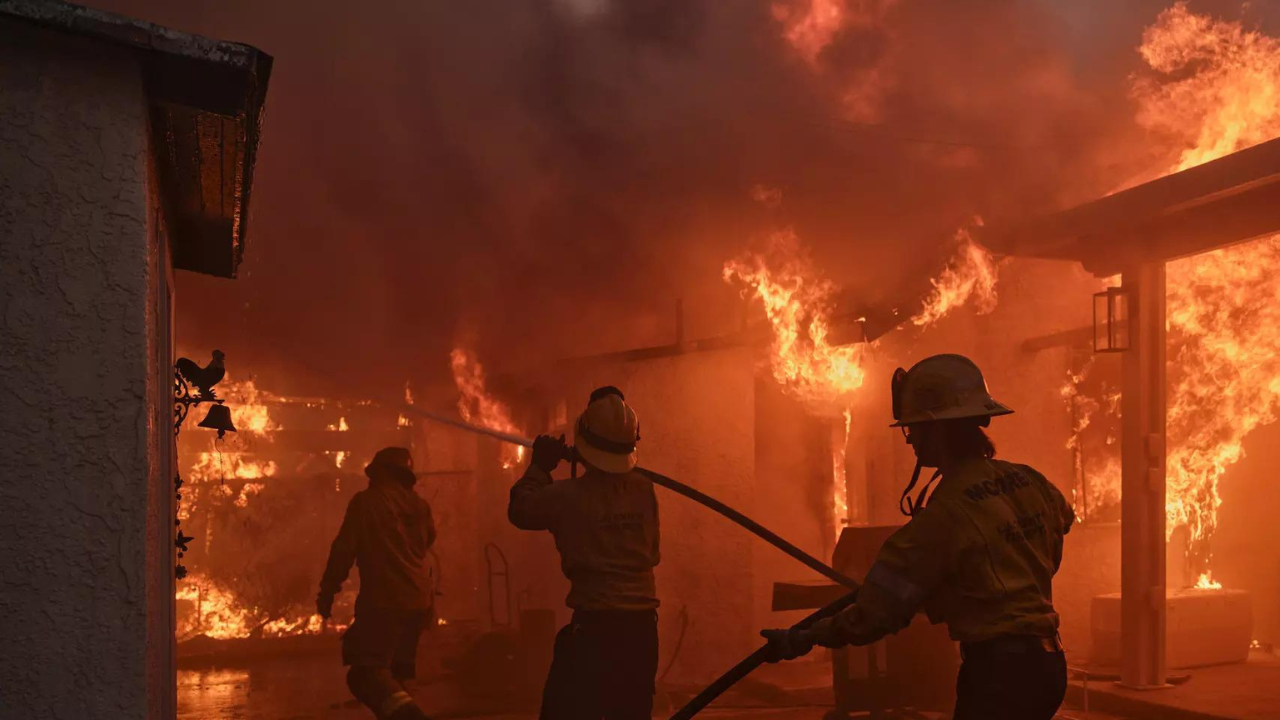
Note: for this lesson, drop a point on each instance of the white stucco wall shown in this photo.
(80, 558)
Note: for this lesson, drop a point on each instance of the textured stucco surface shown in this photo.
(74, 369)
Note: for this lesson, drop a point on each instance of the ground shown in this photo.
(311, 687)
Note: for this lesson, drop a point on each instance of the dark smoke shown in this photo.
(547, 177)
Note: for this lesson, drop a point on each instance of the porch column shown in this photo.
(1142, 585)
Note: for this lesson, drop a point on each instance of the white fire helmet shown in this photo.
(607, 433)
(942, 387)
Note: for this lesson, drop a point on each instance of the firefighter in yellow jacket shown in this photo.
(605, 525)
(979, 556)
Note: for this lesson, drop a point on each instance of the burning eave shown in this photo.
(1222, 202)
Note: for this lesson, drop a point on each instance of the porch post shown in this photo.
(1142, 534)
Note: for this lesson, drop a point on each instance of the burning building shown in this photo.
(744, 214)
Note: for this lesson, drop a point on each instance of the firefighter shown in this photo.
(980, 555)
(605, 525)
(387, 531)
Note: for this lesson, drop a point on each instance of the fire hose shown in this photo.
(759, 657)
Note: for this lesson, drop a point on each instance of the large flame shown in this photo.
(970, 277)
(798, 303)
(477, 406)
(1217, 86)
(1214, 89)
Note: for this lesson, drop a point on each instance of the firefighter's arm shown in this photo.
(342, 555)
(911, 565)
(532, 506)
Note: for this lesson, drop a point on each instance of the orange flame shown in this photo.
(218, 466)
(1097, 475)
(798, 304)
(970, 276)
(797, 301)
(248, 409)
(1218, 86)
(477, 406)
(341, 425)
(219, 614)
(1216, 90)
(839, 465)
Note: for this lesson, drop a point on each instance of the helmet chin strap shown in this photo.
(905, 506)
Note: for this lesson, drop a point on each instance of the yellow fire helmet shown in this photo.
(607, 433)
(942, 387)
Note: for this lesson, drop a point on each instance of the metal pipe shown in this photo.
(675, 486)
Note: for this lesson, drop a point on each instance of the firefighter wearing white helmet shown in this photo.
(979, 555)
(605, 524)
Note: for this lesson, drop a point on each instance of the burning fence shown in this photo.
(261, 504)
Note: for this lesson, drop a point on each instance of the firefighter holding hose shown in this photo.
(980, 555)
(605, 525)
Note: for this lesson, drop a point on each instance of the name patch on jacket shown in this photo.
(1002, 485)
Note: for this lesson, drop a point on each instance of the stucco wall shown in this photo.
(74, 369)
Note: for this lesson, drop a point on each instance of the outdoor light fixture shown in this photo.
(1111, 328)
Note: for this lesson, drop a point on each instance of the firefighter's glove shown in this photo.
(324, 605)
(787, 644)
(548, 452)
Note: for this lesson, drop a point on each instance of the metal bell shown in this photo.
(219, 418)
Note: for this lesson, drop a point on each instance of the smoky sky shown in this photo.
(545, 178)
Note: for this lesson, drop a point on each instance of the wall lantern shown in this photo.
(1112, 330)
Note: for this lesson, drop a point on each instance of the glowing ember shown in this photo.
(341, 426)
(797, 302)
(1217, 90)
(408, 395)
(402, 421)
(477, 406)
(339, 458)
(969, 277)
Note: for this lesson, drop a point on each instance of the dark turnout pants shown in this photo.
(604, 667)
(1011, 679)
(385, 638)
